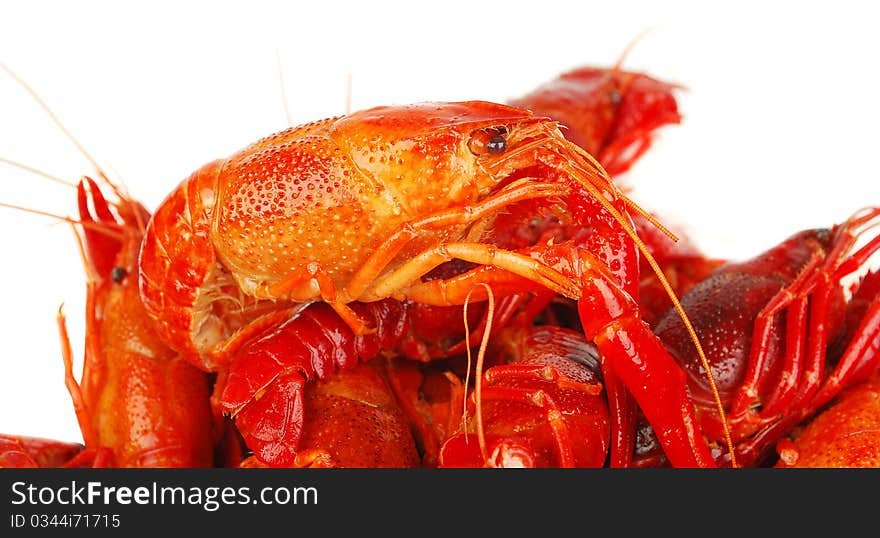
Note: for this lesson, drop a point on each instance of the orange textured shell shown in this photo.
(330, 192)
(322, 196)
(847, 434)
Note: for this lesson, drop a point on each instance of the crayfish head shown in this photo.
(111, 232)
(430, 156)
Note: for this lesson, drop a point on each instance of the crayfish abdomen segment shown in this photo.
(177, 262)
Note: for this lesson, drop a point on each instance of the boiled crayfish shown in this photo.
(281, 287)
(398, 191)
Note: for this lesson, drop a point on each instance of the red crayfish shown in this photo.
(268, 311)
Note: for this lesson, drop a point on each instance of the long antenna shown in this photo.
(280, 68)
(348, 93)
(38, 172)
(52, 115)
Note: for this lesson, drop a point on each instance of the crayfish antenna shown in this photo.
(478, 373)
(120, 193)
(111, 230)
(348, 93)
(618, 65)
(38, 172)
(104, 227)
(467, 374)
(42, 104)
(284, 100)
(650, 218)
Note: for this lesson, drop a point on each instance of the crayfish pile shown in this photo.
(461, 285)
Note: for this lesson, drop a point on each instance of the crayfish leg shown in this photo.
(267, 390)
(861, 357)
(367, 285)
(808, 302)
(83, 416)
(542, 407)
(624, 414)
(611, 320)
(441, 292)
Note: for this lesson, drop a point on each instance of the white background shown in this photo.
(779, 130)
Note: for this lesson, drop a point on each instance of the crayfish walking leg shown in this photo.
(265, 388)
(542, 405)
(770, 320)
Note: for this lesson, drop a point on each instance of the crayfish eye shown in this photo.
(118, 274)
(497, 144)
(492, 141)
